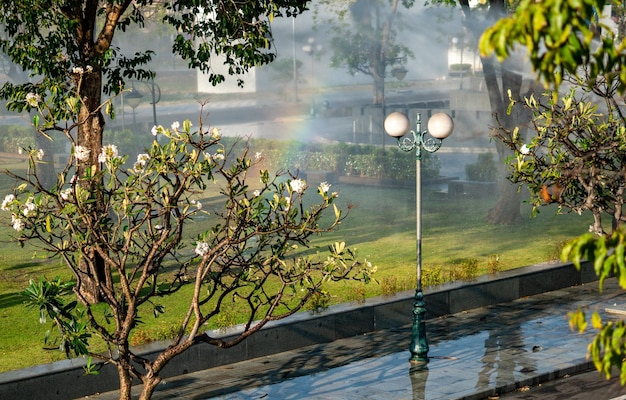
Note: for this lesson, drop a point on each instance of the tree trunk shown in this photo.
(126, 382)
(91, 266)
(506, 211)
(149, 385)
(507, 207)
(379, 89)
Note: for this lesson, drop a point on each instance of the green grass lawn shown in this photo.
(381, 227)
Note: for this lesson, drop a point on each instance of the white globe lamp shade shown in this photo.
(397, 124)
(440, 125)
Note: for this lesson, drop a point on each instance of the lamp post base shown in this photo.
(419, 343)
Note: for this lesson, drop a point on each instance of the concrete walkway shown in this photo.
(476, 354)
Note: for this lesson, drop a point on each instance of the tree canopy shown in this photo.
(364, 38)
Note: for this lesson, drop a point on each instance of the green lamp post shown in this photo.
(440, 126)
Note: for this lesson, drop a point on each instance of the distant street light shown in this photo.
(134, 97)
(460, 44)
(312, 50)
(295, 61)
(440, 126)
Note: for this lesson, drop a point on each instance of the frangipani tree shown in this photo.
(251, 253)
(565, 41)
(573, 155)
(68, 50)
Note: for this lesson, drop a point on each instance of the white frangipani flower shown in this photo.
(197, 204)
(29, 207)
(142, 160)
(202, 248)
(156, 130)
(17, 223)
(81, 153)
(8, 199)
(66, 194)
(297, 185)
(324, 187)
(32, 99)
(108, 152)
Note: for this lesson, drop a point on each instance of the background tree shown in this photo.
(503, 78)
(364, 38)
(562, 41)
(67, 48)
(283, 74)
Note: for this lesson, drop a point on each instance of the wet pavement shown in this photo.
(476, 354)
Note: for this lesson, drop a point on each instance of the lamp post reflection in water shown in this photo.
(418, 374)
(440, 126)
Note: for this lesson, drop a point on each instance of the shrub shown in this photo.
(344, 159)
(483, 170)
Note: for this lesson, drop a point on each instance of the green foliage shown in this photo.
(607, 350)
(345, 159)
(319, 302)
(432, 276)
(493, 264)
(241, 33)
(560, 37)
(575, 155)
(606, 253)
(391, 246)
(483, 170)
(391, 285)
(48, 298)
(460, 67)
(466, 269)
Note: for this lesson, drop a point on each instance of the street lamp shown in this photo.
(440, 126)
(312, 50)
(460, 44)
(134, 97)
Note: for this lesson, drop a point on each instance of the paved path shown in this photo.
(474, 355)
(582, 386)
